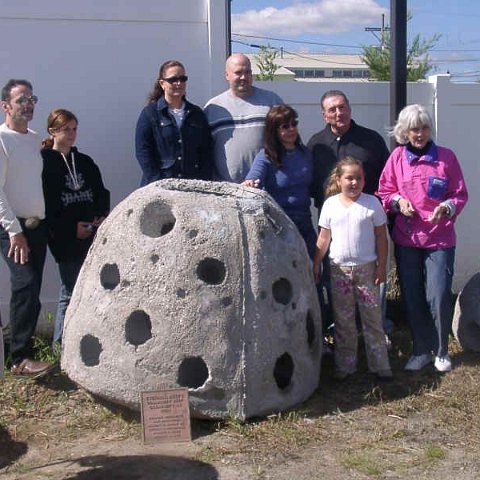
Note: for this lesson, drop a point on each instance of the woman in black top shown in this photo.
(76, 203)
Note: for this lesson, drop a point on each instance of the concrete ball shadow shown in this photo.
(203, 285)
(10, 449)
(145, 467)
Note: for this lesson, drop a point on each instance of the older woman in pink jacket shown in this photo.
(423, 183)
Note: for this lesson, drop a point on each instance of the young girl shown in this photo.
(76, 203)
(353, 224)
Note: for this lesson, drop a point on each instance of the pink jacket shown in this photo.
(434, 178)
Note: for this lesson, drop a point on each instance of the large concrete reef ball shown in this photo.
(201, 285)
(466, 317)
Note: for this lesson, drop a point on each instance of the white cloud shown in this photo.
(321, 17)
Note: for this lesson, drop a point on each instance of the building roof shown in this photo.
(314, 61)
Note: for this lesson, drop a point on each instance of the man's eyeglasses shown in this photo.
(23, 100)
(171, 80)
(286, 126)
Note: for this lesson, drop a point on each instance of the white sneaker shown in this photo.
(443, 364)
(417, 362)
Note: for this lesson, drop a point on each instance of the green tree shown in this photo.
(265, 61)
(418, 61)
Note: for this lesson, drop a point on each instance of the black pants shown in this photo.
(26, 282)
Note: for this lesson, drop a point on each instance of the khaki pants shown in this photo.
(355, 286)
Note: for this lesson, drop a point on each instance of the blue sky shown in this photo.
(338, 26)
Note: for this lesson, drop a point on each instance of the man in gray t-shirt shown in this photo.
(237, 120)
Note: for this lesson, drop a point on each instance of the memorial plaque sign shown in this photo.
(166, 416)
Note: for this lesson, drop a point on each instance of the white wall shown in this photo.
(100, 59)
(457, 114)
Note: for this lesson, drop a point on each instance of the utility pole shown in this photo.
(229, 27)
(382, 31)
(398, 58)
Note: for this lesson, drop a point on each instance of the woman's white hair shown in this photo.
(412, 116)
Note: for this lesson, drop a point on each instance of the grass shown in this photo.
(46, 352)
(434, 452)
(413, 426)
(362, 463)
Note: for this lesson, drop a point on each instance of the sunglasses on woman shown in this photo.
(172, 80)
(286, 126)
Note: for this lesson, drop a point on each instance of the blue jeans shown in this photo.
(69, 271)
(26, 283)
(426, 282)
(305, 227)
(386, 322)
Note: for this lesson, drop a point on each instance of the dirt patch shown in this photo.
(422, 426)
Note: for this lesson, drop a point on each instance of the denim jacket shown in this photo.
(165, 151)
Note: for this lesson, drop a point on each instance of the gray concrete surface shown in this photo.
(466, 317)
(202, 285)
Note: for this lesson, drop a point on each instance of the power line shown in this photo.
(296, 41)
(455, 50)
(314, 59)
(308, 42)
(460, 60)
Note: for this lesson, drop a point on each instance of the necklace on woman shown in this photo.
(72, 172)
(178, 114)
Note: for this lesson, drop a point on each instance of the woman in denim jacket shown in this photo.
(423, 184)
(172, 137)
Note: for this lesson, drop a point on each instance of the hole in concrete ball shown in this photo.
(181, 293)
(192, 233)
(283, 371)
(192, 373)
(154, 258)
(90, 350)
(110, 276)
(104, 241)
(226, 301)
(138, 328)
(211, 271)
(282, 291)
(310, 327)
(157, 220)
